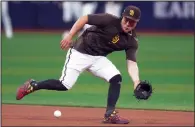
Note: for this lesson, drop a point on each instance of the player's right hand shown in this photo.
(65, 43)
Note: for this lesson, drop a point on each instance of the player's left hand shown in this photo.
(65, 43)
(143, 90)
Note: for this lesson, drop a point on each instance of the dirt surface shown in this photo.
(26, 115)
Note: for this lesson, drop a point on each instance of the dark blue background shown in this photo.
(48, 15)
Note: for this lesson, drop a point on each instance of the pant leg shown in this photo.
(75, 64)
(104, 68)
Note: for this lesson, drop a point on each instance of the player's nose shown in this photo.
(128, 24)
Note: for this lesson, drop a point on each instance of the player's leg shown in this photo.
(75, 64)
(65, 83)
(105, 69)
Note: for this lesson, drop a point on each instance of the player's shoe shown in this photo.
(114, 118)
(25, 89)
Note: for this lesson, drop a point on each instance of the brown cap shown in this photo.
(132, 12)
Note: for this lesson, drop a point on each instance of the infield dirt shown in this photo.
(31, 115)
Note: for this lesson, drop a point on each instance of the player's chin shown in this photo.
(127, 30)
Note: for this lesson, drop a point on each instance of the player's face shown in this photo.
(128, 24)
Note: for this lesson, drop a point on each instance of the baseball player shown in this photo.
(107, 34)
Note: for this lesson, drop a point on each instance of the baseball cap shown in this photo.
(132, 12)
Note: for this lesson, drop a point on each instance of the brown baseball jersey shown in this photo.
(106, 36)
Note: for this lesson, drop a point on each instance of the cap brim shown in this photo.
(137, 20)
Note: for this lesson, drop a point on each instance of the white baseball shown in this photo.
(57, 113)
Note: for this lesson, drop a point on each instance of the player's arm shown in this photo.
(78, 25)
(91, 19)
(102, 19)
(133, 71)
(132, 66)
(66, 41)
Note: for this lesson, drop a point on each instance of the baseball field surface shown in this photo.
(26, 115)
(167, 61)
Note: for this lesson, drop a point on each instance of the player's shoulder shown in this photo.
(114, 17)
(133, 35)
(114, 20)
(104, 17)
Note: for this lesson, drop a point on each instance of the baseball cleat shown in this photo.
(113, 118)
(24, 90)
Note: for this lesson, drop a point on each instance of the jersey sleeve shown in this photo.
(102, 19)
(131, 53)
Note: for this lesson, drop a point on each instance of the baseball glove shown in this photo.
(143, 90)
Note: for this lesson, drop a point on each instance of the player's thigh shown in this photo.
(104, 68)
(76, 60)
(69, 77)
(75, 64)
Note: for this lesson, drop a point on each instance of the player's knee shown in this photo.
(117, 79)
(66, 86)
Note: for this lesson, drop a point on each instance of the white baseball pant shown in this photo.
(77, 62)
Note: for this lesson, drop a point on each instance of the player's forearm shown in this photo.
(133, 72)
(78, 25)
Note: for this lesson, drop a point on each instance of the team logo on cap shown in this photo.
(131, 12)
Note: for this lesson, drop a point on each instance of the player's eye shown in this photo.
(130, 22)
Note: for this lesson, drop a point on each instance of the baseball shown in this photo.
(57, 113)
